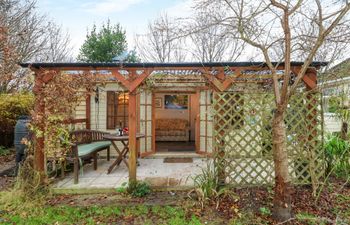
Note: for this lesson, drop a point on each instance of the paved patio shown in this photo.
(157, 173)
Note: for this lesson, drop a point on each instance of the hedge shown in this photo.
(11, 107)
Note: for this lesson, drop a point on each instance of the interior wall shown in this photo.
(169, 113)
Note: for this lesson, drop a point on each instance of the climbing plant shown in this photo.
(60, 93)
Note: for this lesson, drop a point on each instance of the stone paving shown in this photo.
(154, 171)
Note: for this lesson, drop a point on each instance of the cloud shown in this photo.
(109, 6)
(181, 9)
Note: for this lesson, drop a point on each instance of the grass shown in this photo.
(158, 208)
(101, 214)
(70, 212)
(5, 151)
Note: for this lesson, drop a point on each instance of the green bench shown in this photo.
(86, 144)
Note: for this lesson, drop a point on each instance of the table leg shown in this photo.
(125, 151)
(118, 160)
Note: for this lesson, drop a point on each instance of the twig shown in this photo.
(286, 221)
(345, 183)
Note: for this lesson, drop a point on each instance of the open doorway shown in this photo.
(175, 121)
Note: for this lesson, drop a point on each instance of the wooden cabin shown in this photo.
(200, 108)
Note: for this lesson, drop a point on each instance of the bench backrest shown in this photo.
(86, 136)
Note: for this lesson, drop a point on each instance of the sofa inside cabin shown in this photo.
(172, 130)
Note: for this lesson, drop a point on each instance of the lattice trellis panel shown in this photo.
(243, 137)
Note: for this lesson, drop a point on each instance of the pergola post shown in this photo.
(88, 111)
(39, 113)
(132, 137)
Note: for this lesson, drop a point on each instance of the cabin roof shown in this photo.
(38, 65)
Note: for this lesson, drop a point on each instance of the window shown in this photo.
(117, 109)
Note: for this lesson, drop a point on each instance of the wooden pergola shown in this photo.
(219, 76)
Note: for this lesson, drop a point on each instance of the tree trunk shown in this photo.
(344, 131)
(282, 209)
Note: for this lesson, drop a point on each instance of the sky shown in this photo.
(76, 16)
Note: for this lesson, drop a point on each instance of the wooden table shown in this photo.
(121, 153)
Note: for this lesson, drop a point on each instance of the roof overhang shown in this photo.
(39, 65)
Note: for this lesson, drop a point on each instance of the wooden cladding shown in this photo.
(117, 109)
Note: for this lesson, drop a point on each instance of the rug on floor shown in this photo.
(177, 160)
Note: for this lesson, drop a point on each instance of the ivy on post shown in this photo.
(39, 111)
(41, 78)
(53, 107)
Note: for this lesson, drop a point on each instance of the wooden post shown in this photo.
(132, 138)
(39, 113)
(88, 111)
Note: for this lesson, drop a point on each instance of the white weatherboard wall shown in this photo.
(80, 110)
(99, 112)
(99, 109)
(80, 113)
(331, 123)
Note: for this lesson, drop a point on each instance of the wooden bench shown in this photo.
(86, 144)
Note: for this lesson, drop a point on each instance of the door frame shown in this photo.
(188, 92)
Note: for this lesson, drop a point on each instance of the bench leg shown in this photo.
(95, 160)
(108, 153)
(76, 170)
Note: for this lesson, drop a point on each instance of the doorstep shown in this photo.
(160, 155)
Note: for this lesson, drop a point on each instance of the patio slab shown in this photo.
(158, 174)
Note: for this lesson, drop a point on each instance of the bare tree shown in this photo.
(161, 43)
(212, 43)
(8, 59)
(32, 37)
(277, 29)
(57, 47)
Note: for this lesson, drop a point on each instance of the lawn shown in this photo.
(253, 206)
(103, 215)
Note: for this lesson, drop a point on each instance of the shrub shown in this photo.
(11, 107)
(337, 153)
(265, 211)
(207, 186)
(4, 151)
(135, 189)
(139, 189)
(207, 182)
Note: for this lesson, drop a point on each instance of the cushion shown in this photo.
(86, 149)
(171, 124)
(170, 133)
